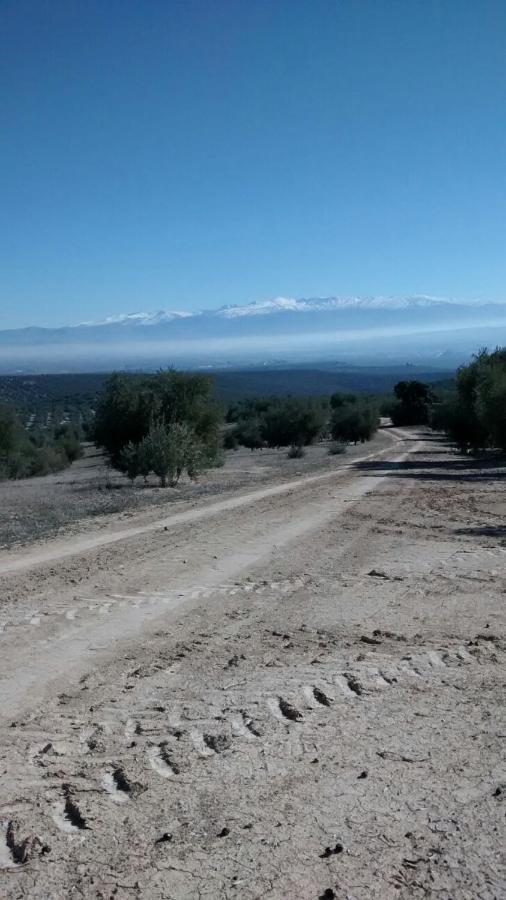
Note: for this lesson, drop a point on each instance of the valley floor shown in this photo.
(294, 691)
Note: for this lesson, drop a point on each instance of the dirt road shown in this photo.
(294, 692)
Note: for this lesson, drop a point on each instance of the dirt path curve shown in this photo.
(294, 698)
(49, 645)
(56, 550)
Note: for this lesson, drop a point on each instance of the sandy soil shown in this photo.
(91, 495)
(292, 691)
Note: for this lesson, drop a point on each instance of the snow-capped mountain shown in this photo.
(140, 318)
(287, 327)
(286, 304)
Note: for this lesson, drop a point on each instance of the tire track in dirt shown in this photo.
(306, 733)
(113, 768)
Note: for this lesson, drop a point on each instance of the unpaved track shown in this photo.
(70, 639)
(56, 550)
(291, 693)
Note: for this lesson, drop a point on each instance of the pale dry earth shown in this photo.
(294, 690)
(90, 495)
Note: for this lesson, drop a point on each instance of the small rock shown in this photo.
(332, 851)
(164, 838)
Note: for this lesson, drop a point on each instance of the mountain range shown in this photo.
(287, 328)
(290, 304)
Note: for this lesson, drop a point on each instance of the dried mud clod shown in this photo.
(288, 711)
(165, 838)
(376, 573)
(121, 781)
(72, 812)
(332, 851)
(353, 684)
(251, 725)
(217, 742)
(321, 697)
(380, 633)
(20, 851)
(165, 755)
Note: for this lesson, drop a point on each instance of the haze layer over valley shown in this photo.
(372, 330)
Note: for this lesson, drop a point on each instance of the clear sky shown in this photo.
(191, 153)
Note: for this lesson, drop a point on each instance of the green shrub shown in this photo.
(475, 416)
(337, 448)
(340, 399)
(230, 440)
(128, 461)
(249, 433)
(130, 406)
(170, 451)
(294, 420)
(296, 451)
(354, 423)
(24, 454)
(414, 399)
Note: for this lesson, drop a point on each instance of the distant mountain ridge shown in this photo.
(288, 304)
(408, 327)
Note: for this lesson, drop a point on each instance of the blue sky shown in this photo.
(189, 154)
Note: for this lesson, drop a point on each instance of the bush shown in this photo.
(67, 439)
(24, 454)
(249, 434)
(414, 399)
(339, 399)
(218, 461)
(491, 402)
(171, 451)
(294, 420)
(249, 408)
(353, 423)
(475, 417)
(277, 421)
(296, 452)
(130, 406)
(128, 461)
(230, 440)
(337, 448)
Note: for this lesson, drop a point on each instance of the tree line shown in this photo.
(25, 453)
(169, 424)
(474, 414)
(297, 422)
